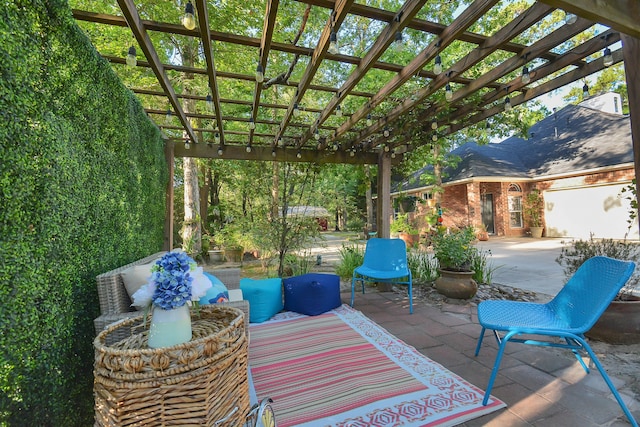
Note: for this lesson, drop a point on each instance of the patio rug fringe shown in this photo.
(342, 369)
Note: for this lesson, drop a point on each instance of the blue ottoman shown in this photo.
(264, 296)
(312, 293)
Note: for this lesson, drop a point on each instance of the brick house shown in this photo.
(579, 158)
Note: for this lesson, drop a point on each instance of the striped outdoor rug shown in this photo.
(342, 369)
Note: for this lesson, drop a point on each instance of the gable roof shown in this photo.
(574, 139)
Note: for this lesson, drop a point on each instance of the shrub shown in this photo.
(573, 255)
(351, 256)
(482, 267)
(423, 266)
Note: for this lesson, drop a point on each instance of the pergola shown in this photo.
(370, 134)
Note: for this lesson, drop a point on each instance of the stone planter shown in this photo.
(233, 254)
(456, 284)
(619, 324)
(536, 232)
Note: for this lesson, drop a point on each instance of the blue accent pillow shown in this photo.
(264, 296)
(217, 292)
(312, 293)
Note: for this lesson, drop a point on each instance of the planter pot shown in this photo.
(169, 327)
(408, 205)
(410, 239)
(233, 254)
(456, 284)
(619, 324)
(536, 232)
(483, 236)
(216, 256)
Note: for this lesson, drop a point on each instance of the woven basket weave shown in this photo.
(190, 384)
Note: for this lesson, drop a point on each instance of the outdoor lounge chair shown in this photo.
(385, 260)
(571, 313)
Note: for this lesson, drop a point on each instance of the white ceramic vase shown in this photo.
(169, 327)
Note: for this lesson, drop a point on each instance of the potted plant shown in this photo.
(405, 229)
(533, 206)
(482, 233)
(454, 249)
(620, 322)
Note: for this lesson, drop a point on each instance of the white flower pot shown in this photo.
(169, 327)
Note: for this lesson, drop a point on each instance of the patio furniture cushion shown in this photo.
(312, 293)
(264, 296)
(216, 293)
(136, 276)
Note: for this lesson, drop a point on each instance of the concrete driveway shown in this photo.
(526, 263)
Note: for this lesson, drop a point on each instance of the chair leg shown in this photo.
(607, 380)
(496, 366)
(480, 338)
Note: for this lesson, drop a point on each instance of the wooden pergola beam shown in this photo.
(334, 22)
(205, 37)
(451, 33)
(383, 41)
(621, 15)
(265, 46)
(133, 19)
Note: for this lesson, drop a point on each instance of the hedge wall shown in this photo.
(82, 182)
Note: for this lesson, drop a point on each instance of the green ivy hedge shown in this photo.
(82, 184)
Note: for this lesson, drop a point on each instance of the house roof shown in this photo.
(574, 139)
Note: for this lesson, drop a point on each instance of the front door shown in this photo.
(487, 212)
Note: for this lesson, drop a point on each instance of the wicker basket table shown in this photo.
(190, 384)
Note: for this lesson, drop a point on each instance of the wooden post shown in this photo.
(168, 218)
(631, 51)
(384, 195)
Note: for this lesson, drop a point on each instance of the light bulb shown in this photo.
(167, 117)
(273, 153)
(507, 104)
(132, 60)
(393, 154)
(434, 137)
(434, 125)
(296, 110)
(299, 155)
(386, 132)
(186, 145)
(448, 93)
(386, 148)
(259, 73)
(607, 58)
(526, 77)
(437, 67)
(352, 153)
(216, 137)
(220, 151)
(248, 149)
(209, 102)
(369, 120)
(316, 135)
(585, 91)
(252, 123)
(188, 20)
(398, 42)
(338, 111)
(333, 44)
(570, 18)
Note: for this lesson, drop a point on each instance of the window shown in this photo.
(515, 206)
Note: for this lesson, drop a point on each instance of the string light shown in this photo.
(299, 154)
(434, 125)
(333, 44)
(248, 148)
(570, 18)
(338, 111)
(216, 137)
(132, 60)
(437, 67)
(386, 132)
(189, 20)
(259, 73)
(434, 137)
(316, 135)
(296, 110)
(398, 42)
(369, 120)
(186, 145)
(507, 104)
(252, 123)
(448, 93)
(209, 102)
(220, 150)
(607, 58)
(167, 117)
(273, 152)
(585, 91)
(526, 77)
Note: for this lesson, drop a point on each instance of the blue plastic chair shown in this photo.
(385, 260)
(571, 313)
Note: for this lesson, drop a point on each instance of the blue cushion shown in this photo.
(217, 292)
(264, 296)
(312, 293)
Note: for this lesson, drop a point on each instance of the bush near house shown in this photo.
(82, 184)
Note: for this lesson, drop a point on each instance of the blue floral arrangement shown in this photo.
(175, 280)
